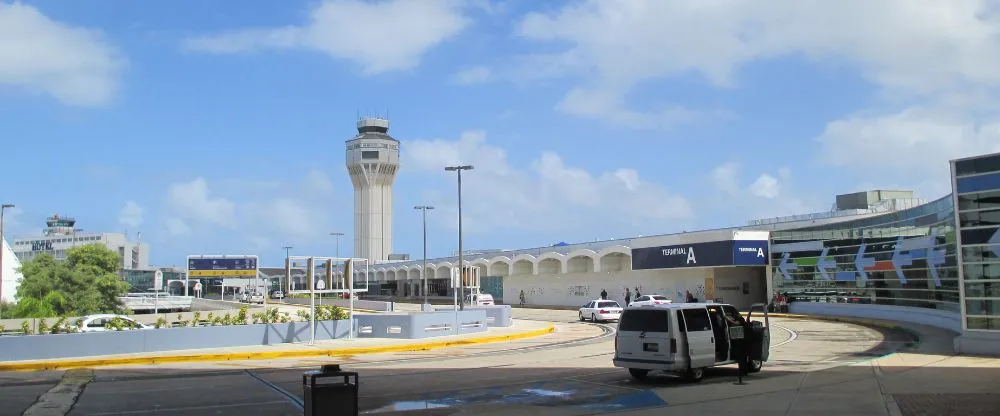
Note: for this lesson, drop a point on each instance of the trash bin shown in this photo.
(330, 392)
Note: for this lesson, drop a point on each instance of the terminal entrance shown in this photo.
(740, 286)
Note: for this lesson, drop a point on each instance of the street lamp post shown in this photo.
(3, 208)
(336, 236)
(461, 264)
(289, 265)
(423, 269)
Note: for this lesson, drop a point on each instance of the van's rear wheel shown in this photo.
(755, 366)
(695, 374)
(638, 373)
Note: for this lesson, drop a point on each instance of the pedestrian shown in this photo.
(604, 294)
(522, 297)
(637, 294)
(628, 297)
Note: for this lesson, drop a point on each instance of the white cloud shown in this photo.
(764, 197)
(471, 76)
(548, 196)
(920, 141)
(130, 215)
(74, 65)
(318, 181)
(381, 36)
(911, 49)
(192, 201)
(176, 226)
(607, 105)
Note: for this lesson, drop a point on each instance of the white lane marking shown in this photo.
(792, 335)
(190, 408)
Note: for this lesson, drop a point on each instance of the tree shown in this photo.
(86, 283)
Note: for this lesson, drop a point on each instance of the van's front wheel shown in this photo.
(695, 374)
(638, 373)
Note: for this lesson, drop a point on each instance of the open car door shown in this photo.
(762, 330)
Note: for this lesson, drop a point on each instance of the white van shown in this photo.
(687, 338)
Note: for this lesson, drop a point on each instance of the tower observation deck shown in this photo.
(372, 162)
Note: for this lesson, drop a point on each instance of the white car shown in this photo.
(650, 300)
(95, 323)
(481, 299)
(601, 310)
(256, 297)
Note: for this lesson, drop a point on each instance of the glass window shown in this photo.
(977, 236)
(980, 271)
(981, 254)
(609, 304)
(982, 307)
(978, 218)
(369, 154)
(983, 323)
(978, 183)
(697, 319)
(649, 320)
(977, 165)
(979, 200)
(983, 290)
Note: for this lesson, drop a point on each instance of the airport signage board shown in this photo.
(707, 254)
(222, 266)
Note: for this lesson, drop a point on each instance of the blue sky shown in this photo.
(218, 129)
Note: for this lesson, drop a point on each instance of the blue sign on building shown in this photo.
(216, 266)
(709, 254)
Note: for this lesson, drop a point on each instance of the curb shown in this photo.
(266, 355)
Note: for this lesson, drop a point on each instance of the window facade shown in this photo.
(976, 184)
(904, 258)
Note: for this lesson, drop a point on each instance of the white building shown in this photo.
(11, 276)
(372, 161)
(61, 234)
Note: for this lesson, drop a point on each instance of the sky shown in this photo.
(205, 128)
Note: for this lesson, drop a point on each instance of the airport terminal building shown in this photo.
(879, 254)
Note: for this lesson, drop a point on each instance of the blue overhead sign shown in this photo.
(222, 266)
(709, 254)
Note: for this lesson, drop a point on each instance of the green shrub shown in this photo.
(43, 326)
(160, 322)
(26, 327)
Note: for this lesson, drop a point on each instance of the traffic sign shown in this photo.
(222, 266)
(320, 284)
(158, 280)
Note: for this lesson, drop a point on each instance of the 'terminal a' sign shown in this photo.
(706, 254)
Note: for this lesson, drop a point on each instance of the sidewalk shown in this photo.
(926, 380)
(330, 348)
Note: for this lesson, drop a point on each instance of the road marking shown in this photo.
(189, 408)
(792, 335)
(289, 397)
(60, 399)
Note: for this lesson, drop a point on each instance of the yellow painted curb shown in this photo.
(265, 355)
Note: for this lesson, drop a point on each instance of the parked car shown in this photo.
(277, 294)
(256, 297)
(95, 323)
(650, 300)
(601, 310)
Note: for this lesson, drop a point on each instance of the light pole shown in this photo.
(289, 265)
(3, 208)
(461, 265)
(336, 236)
(423, 269)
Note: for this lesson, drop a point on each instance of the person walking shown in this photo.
(522, 298)
(604, 294)
(628, 296)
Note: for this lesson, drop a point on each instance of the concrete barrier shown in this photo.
(418, 325)
(371, 305)
(38, 347)
(496, 315)
(947, 320)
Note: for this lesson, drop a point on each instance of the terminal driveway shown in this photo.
(567, 372)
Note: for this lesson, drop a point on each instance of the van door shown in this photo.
(644, 338)
(700, 338)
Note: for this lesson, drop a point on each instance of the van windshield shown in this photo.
(647, 320)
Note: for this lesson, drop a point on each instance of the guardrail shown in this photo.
(421, 324)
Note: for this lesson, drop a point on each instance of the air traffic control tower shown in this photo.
(372, 161)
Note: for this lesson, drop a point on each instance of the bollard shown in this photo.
(330, 392)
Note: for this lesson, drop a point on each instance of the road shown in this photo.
(569, 370)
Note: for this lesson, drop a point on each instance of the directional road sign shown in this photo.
(222, 266)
